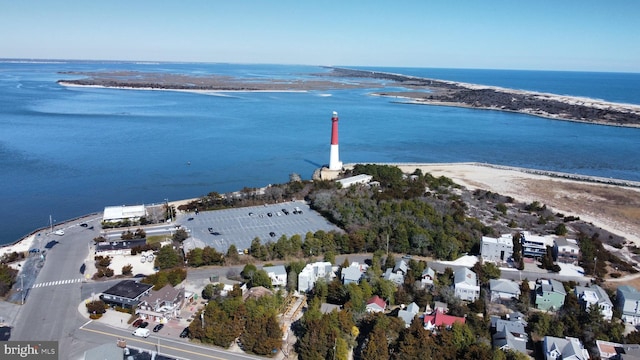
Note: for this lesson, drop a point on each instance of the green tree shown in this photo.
(127, 270)
(260, 278)
(96, 307)
(167, 258)
(376, 347)
(180, 235)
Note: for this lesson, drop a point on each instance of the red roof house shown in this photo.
(376, 304)
(439, 320)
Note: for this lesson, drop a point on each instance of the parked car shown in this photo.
(285, 211)
(272, 234)
(143, 325)
(84, 225)
(59, 232)
(185, 333)
(158, 327)
(137, 323)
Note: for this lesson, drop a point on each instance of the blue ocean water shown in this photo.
(68, 151)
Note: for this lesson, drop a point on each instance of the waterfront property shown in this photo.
(534, 246)
(497, 249)
(566, 250)
(120, 213)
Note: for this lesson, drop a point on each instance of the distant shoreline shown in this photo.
(441, 93)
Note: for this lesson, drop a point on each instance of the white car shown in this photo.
(59, 232)
(140, 332)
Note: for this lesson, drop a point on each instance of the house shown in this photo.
(509, 334)
(466, 284)
(311, 273)
(497, 249)
(407, 315)
(614, 351)
(395, 277)
(327, 308)
(124, 247)
(438, 320)
(120, 213)
(401, 267)
(353, 180)
(277, 274)
(566, 251)
(376, 304)
(439, 306)
(629, 304)
(534, 246)
(595, 295)
(502, 289)
(353, 273)
(161, 305)
(563, 349)
(125, 294)
(550, 294)
(427, 277)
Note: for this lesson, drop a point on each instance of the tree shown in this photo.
(127, 270)
(180, 235)
(560, 230)
(167, 258)
(376, 347)
(96, 307)
(248, 271)
(260, 278)
(208, 291)
(232, 254)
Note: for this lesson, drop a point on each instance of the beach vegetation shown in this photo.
(8, 277)
(161, 278)
(127, 270)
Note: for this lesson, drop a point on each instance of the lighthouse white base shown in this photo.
(334, 159)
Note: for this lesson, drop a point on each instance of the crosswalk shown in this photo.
(59, 282)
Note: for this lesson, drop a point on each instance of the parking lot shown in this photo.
(221, 228)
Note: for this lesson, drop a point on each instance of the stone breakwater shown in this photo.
(553, 106)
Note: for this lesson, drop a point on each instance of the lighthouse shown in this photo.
(334, 158)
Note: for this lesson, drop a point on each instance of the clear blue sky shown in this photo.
(582, 35)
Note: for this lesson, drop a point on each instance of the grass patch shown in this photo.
(157, 239)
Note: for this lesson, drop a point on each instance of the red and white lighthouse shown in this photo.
(334, 159)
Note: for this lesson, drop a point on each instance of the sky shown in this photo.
(576, 35)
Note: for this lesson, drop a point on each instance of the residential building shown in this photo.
(566, 250)
(563, 349)
(395, 277)
(121, 247)
(277, 274)
(439, 306)
(353, 273)
(534, 246)
(125, 294)
(466, 284)
(595, 295)
(550, 294)
(311, 273)
(629, 303)
(614, 351)
(428, 276)
(509, 334)
(407, 315)
(503, 289)
(327, 308)
(161, 305)
(376, 304)
(438, 320)
(497, 249)
(402, 266)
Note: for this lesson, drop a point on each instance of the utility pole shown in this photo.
(387, 245)
(22, 288)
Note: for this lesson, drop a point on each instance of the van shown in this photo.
(141, 332)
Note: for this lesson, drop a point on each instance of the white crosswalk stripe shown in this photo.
(59, 282)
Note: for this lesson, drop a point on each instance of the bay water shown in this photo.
(68, 151)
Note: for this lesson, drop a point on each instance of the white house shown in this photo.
(595, 295)
(428, 276)
(311, 273)
(502, 289)
(497, 249)
(353, 273)
(629, 303)
(565, 349)
(466, 285)
(277, 274)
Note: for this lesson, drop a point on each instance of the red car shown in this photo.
(137, 323)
